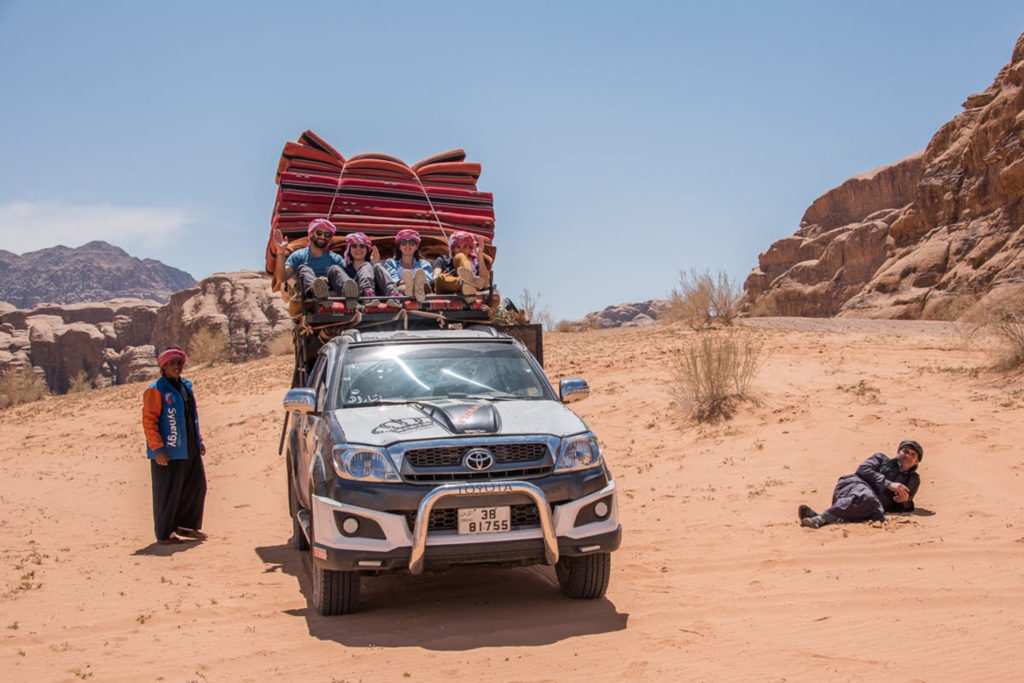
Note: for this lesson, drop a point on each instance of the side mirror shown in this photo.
(301, 400)
(572, 389)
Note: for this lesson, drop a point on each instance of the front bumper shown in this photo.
(569, 528)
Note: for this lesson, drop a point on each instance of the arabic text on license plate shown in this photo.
(484, 520)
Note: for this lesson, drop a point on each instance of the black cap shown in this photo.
(910, 443)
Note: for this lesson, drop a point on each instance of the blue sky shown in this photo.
(622, 141)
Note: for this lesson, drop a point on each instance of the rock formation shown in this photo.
(115, 342)
(932, 236)
(623, 315)
(96, 271)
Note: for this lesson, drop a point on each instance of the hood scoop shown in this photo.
(462, 416)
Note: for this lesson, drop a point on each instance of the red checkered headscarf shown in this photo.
(173, 353)
(462, 237)
(320, 224)
(357, 238)
(408, 234)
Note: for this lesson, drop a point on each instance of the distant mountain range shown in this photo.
(96, 271)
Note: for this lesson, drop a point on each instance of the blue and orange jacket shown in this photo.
(163, 420)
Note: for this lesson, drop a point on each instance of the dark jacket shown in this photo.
(879, 471)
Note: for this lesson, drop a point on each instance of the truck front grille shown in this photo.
(521, 517)
(451, 456)
(469, 475)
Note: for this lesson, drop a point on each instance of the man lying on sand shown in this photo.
(881, 484)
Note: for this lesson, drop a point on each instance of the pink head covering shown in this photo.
(408, 234)
(357, 238)
(461, 237)
(169, 355)
(320, 224)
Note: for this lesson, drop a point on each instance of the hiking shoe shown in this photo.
(320, 288)
(804, 512)
(407, 282)
(815, 522)
(470, 278)
(350, 290)
(419, 286)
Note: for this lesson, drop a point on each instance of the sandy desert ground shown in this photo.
(715, 579)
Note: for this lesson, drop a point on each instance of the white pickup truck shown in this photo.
(409, 451)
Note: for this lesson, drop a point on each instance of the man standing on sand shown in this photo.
(881, 484)
(175, 450)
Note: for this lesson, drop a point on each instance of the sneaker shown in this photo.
(815, 522)
(350, 290)
(804, 512)
(471, 278)
(320, 288)
(419, 286)
(370, 300)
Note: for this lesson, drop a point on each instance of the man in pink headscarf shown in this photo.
(175, 450)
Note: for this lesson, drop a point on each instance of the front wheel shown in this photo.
(334, 591)
(298, 541)
(586, 577)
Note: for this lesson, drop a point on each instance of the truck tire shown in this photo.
(586, 577)
(298, 540)
(334, 592)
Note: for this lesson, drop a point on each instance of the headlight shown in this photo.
(578, 453)
(364, 464)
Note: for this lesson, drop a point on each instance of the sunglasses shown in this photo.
(405, 243)
(909, 451)
(357, 246)
(321, 233)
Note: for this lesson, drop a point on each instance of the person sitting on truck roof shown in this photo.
(410, 272)
(318, 270)
(465, 269)
(362, 262)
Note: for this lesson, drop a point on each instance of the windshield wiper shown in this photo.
(379, 402)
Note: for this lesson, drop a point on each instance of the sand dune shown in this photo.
(715, 579)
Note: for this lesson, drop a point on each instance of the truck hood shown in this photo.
(388, 424)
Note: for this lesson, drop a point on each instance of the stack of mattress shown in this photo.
(377, 194)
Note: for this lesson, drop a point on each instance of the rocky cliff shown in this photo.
(932, 236)
(96, 271)
(115, 342)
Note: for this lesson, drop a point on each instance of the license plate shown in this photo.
(484, 520)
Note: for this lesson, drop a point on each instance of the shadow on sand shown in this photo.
(159, 550)
(463, 609)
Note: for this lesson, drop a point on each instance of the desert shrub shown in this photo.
(280, 344)
(1007, 325)
(576, 325)
(699, 299)
(207, 346)
(21, 385)
(529, 306)
(79, 382)
(713, 372)
(725, 297)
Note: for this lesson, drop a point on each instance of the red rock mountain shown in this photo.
(931, 236)
(96, 271)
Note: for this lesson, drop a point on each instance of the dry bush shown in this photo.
(21, 385)
(725, 297)
(1007, 325)
(713, 373)
(576, 325)
(79, 382)
(207, 346)
(280, 345)
(702, 298)
(529, 306)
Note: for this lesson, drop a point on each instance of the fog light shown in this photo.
(601, 509)
(350, 526)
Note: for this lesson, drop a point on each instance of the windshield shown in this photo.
(404, 372)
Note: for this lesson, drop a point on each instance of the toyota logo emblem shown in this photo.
(478, 459)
